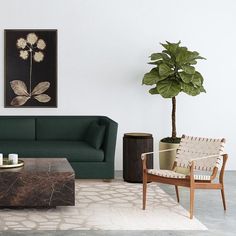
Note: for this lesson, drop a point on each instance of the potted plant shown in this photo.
(174, 72)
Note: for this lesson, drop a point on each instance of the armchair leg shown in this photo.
(191, 202)
(221, 178)
(223, 197)
(144, 189)
(177, 192)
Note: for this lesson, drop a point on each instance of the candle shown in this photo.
(13, 157)
(1, 159)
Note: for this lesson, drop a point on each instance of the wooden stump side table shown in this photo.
(134, 144)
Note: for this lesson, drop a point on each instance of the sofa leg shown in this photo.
(107, 180)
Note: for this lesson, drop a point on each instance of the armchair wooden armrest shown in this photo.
(146, 154)
(143, 155)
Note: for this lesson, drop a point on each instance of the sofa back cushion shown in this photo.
(63, 128)
(14, 128)
(95, 134)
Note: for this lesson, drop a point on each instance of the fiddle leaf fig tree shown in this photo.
(174, 72)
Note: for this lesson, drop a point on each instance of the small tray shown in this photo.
(8, 166)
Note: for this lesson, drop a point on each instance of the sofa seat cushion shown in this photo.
(72, 150)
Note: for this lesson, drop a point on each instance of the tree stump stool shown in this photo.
(134, 144)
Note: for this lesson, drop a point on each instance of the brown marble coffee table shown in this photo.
(41, 182)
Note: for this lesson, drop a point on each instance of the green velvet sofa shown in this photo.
(88, 142)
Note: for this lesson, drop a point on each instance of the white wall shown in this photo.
(103, 50)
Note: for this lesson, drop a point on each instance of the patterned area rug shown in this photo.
(105, 206)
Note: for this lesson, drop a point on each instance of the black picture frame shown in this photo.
(30, 65)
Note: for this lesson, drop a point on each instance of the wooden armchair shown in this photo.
(194, 154)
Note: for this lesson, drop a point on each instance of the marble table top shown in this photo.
(52, 165)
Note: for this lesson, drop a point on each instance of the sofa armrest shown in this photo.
(109, 142)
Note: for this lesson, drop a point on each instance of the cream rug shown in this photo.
(105, 206)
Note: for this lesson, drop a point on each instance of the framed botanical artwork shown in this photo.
(30, 68)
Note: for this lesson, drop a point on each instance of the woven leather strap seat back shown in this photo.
(197, 148)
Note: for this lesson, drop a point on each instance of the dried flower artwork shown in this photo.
(30, 48)
(30, 68)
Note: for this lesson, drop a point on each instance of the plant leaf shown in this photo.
(190, 89)
(19, 100)
(159, 58)
(153, 91)
(195, 55)
(188, 69)
(167, 59)
(187, 78)
(198, 75)
(199, 57)
(188, 57)
(193, 62)
(197, 79)
(165, 70)
(157, 63)
(171, 47)
(40, 88)
(43, 98)
(19, 87)
(182, 56)
(202, 89)
(168, 88)
(156, 56)
(165, 56)
(152, 77)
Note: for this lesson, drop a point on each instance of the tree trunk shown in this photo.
(173, 118)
